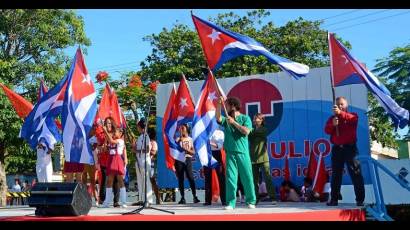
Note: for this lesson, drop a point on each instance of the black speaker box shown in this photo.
(60, 199)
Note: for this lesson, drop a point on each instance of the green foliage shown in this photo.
(32, 44)
(394, 72)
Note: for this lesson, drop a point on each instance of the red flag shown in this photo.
(109, 107)
(215, 183)
(215, 186)
(21, 105)
(318, 175)
(286, 172)
(169, 160)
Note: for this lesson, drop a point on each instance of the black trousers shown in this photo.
(186, 168)
(115, 186)
(342, 155)
(220, 172)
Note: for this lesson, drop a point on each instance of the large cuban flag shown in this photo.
(204, 122)
(79, 110)
(221, 45)
(40, 123)
(181, 113)
(347, 70)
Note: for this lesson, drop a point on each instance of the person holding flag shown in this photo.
(186, 143)
(44, 166)
(344, 150)
(237, 127)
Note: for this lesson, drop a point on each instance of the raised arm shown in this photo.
(218, 115)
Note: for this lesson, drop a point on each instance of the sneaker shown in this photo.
(228, 207)
(124, 206)
(196, 200)
(116, 205)
(104, 206)
(182, 201)
(251, 206)
(274, 202)
(207, 203)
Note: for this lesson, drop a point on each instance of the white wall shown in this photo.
(393, 193)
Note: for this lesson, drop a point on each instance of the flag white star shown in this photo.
(212, 96)
(86, 79)
(183, 103)
(344, 57)
(214, 36)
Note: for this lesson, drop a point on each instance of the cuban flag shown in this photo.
(79, 109)
(221, 45)
(41, 91)
(204, 121)
(347, 70)
(169, 160)
(40, 123)
(181, 113)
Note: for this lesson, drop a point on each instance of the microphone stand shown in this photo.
(144, 145)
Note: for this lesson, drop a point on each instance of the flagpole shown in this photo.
(331, 78)
(219, 91)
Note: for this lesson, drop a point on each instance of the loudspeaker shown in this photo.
(60, 199)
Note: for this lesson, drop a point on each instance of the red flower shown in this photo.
(135, 81)
(101, 76)
(153, 85)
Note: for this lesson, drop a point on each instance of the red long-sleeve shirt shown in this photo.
(347, 128)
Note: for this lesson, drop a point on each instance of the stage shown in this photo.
(264, 211)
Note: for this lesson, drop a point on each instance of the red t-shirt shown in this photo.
(347, 128)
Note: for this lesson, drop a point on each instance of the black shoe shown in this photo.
(360, 204)
(116, 205)
(182, 201)
(196, 200)
(332, 203)
(207, 203)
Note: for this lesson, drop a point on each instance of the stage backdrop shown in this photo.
(296, 112)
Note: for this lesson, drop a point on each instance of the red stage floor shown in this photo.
(263, 212)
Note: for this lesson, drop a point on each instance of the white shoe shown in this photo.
(228, 207)
(251, 206)
(104, 205)
(124, 206)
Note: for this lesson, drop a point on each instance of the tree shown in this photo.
(31, 47)
(178, 50)
(395, 71)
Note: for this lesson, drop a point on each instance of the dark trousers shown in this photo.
(220, 172)
(186, 168)
(115, 186)
(342, 155)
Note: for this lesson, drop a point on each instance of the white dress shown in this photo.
(44, 166)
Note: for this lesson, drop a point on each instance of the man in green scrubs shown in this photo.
(237, 127)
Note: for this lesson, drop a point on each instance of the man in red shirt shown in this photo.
(342, 130)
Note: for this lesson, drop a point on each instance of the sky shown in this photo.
(117, 35)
